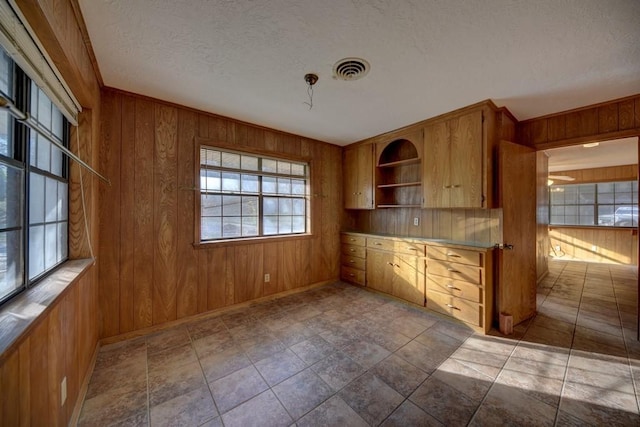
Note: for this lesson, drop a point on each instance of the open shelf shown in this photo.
(399, 206)
(405, 162)
(400, 184)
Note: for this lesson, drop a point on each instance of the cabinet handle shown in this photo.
(352, 239)
(351, 275)
(452, 255)
(453, 307)
(452, 270)
(453, 287)
(390, 263)
(411, 249)
(351, 261)
(456, 186)
(446, 186)
(352, 250)
(377, 243)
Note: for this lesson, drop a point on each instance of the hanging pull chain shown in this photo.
(311, 79)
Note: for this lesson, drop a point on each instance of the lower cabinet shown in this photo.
(453, 280)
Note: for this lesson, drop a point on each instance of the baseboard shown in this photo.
(541, 278)
(82, 393)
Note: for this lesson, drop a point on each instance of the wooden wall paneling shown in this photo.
(636, 112)
(165, 214)
(109, 248)
(458, 222)
(218, 129)
(289, 144)
(542, 214)
(316, 273)
(11, 393)
(248, 274)
(331, 208)
(230, 286)
(271, 265)
(143, 232)
(78, 243)
(187, 287)
(39, 398)
(611, 245)
(608, 118)
(55, 362)
(25, 383)
(69, 345)
(288, 265)
(303, 250)
(539, 132)
(270, 141)
(206, 298)
(625, 115)
(557, 128)
(127, 219)
(215, 271)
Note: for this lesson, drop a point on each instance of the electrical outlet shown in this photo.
(63, 391)
(594, 248)
(416, 221)
(557, 247)
(267, 278)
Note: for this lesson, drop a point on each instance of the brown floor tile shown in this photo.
(113, 408)
(169, 338)
(213, 343)
(540, 387)
(466, 377)
(205, 327)
(236, 388)
(337, 370)
(302, 392)
(222, 364)
(365, 353)
(333, 412)
(443, 402)
(422, 357)
(263, 410)
(280, 366)
(371, 398)
(399, 374)
(599, 406)
(313, 349)
(409, 414)
(172, 357)
(192, 408)
(167, 384)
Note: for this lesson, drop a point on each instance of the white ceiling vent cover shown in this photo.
(351, 69)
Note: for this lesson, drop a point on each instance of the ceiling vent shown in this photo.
(351, 69)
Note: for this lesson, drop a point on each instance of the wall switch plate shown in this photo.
(63, 391)
(267, 278)
(416, 221)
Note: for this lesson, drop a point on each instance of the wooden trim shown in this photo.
(250, 241)
(82, 26)
(618, 118)
(84, 387)
(595, 175)
(238, 148)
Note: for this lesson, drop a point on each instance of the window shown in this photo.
(33, 185)
(608, 204)
(246, 195)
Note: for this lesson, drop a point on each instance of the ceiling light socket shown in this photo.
(311, 79)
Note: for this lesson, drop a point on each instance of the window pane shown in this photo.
(211, 228)
(249, 184)
(249, 163)
(269, 185)
(231, 182)
(211, 205)
(284, 167)
(62, 241)
(209, 157)
(231, 206)
(56, 161)
(624, 197)
(299, 224)
(36, 250)
(51, 200)
(284, 224)
(210, 180)
(56, 123)
(298, 187)
(6, 143)
(6, 73)
(249, 206)
(270, 225)
(231, 226)
(297, 169)
(43, 160)
(285, 207)
(231, 160)
(270, 205)
(36, 198)
(299, 206)
(44, 107)
(269, 165)
(284, 186)
(250, 226)
(10, 262)
(50, 245)
(11, 190)
(63, 201)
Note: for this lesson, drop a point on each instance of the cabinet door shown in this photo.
(436, 166)
(380, 270)
(408, 279)
(365, 176)
(350, 172)
(357, 168)
(466, 161)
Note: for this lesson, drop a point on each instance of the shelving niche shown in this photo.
(399, 175)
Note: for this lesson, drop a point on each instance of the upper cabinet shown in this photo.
(455, 162)
(399, 172)
(358, 164)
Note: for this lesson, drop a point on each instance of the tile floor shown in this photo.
(340, 355)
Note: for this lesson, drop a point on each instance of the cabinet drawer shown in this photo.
(353, 262)
(351, 239)
(398, 246)
(352, 275)
(356, 251)
(457, 288)
(462, 256)
(464, 310)
(450, 270)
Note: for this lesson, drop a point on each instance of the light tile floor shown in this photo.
(340, 355)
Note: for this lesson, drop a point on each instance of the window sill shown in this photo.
(23, 313)
(633, 230)
(251, 241)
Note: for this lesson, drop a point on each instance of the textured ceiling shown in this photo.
(246, 59)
